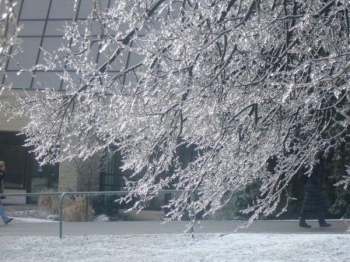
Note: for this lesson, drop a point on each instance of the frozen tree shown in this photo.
(254, 88)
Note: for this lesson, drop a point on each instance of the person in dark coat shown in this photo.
(315, 201)
(2, 211)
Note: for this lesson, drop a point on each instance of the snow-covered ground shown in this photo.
(178, 247)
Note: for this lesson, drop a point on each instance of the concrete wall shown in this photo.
(68, 177)
(12, 125)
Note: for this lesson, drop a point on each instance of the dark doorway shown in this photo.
(22, 170)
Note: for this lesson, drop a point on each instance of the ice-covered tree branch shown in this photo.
(238, 82)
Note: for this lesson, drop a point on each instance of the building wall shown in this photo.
(79, 175)
(68, 178)
(15, 124)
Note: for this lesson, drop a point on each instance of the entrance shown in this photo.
(22, 170)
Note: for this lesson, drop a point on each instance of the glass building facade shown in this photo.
(42, 23)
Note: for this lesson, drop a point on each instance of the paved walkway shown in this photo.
(25, 227)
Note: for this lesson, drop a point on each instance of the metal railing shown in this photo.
(85, 194)
(63, 194)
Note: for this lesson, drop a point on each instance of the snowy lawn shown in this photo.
(178, 247)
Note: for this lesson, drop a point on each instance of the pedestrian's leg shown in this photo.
(302, 222)
(321, 219)
(4, 216)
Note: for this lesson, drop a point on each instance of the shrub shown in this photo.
(78, 211)
(51, 203)
(74, 209)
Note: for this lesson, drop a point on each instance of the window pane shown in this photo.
(95, 27)
(118, 63)
(47, 80)
(32, 28)
(50, 44)
(27, 58)
(62, 9)
(75, 80)
(55, 28)
(86, 7)
(35, 9)
(19, 81)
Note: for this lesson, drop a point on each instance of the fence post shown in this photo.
(87, 208)
(193, 218)
(61, 211)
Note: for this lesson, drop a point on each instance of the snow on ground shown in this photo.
(178, 247)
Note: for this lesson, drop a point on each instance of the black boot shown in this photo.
(322, 222)
(303, 224)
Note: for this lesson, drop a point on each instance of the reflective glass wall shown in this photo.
(42, 23)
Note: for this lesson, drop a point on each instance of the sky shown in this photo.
(178, 247)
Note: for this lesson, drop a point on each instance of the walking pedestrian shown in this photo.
(2, 211)
(315, 201)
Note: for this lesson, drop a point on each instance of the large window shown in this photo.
(42, 23)
(111, 176)
(16, 159)
(22, 170)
